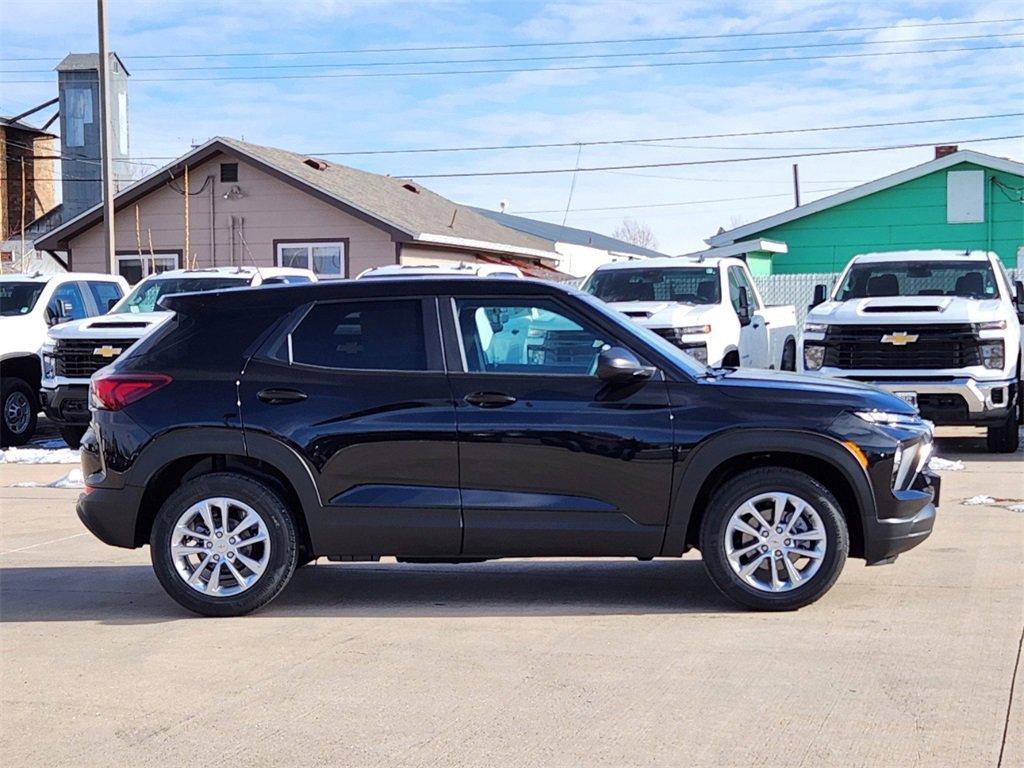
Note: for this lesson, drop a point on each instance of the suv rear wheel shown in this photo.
(223, 544)
(774, 539)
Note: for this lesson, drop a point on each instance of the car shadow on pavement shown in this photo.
(132, 595)
(972, 448)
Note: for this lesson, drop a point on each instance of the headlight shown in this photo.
(897, 462)
(814, 356)
(49, 370)
(815, 327)
(992, 325)
(699, 353)
(694, 329)
(992, 354)
(890, 419)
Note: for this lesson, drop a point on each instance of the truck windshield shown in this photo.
(683, 285)
(147, 293)
(19, 298)
(968, 279)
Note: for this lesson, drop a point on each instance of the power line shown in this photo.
(715, 161)
(495, 46)
(629, 54)
(672, 205)
(581, 68)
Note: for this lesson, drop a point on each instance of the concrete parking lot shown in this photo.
(550, 663)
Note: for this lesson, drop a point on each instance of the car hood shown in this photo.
(782, 387)
(663, 313)
(127, 325)
(906, 309)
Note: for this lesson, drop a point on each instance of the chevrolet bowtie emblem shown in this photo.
(899, 339)
(107, 351)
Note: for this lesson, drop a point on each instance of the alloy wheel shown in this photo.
(775, 542)
(220, 547)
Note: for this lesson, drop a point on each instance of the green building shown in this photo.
(961, 200)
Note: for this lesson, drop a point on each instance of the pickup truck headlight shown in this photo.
(694, 329)
(815, 327)
(49, 369)
(992, 325)
(814, 356)
(993, 354)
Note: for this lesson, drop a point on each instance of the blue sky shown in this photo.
(682, 205)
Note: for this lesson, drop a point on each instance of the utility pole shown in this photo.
(796, 185)
(106, 141)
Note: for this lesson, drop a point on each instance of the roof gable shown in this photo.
(870, 188)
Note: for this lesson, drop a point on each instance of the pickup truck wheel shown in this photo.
(774, 539)
(72, 435)
(20, 411)
(1004, 438)
(788, 356)
(223, 544)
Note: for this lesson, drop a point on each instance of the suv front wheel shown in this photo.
(223, 544)
(774, 539)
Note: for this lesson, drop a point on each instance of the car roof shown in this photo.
(934, 255)
(664, 262)
(61, 277)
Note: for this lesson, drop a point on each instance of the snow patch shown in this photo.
(40, 456)
(72, 479)
(944, 465)
(981, 499)
(1016, 508)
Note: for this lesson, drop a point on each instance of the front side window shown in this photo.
(324, 259)
(362, 335)
(682, 285)
(68, 303)
(105, 294)
(967, 279)
(739, 280)
(19, 298)
(147, 294)
(509, 336)
(134, 268)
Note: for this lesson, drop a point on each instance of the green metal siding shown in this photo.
(909, 216)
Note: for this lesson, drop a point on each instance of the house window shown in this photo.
(133, 267)
(326, 259)
(229, 172)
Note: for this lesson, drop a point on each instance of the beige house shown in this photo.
(254, 205)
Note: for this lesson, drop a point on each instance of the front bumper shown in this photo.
(66, 404)
(908, 520)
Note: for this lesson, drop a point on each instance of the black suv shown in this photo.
(456, 420)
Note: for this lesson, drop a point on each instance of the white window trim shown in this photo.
(147, 260)
(309, 246)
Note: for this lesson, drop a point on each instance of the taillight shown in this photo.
(114, 391)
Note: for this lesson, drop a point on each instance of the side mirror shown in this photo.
(820, 295)
(744, 311)
(617, 365)
(58, 312)
(111, 303)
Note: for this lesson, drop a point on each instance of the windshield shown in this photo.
(968, 279)
(19, 298)
(147, 293)
(682, 285)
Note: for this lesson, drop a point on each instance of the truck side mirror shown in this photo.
(820, 294)
(111, 303)
(744, 310)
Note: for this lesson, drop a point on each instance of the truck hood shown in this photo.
(778, 387)
(663, 313)
(906, 309)
(120, 326)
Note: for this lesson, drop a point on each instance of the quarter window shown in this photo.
(362, 335)
(325, 259)
(530, 337)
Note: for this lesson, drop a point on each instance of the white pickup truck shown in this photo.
(941, 329)
(708, 307)
(73, 352)
(29, 305)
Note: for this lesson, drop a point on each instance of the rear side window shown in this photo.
(105, 293)
(362, 335)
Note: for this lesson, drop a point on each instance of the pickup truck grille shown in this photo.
(937, 346)
(79, 359)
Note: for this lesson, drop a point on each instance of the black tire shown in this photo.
(280, 530)
(788, 356)
(748, 485)
(15, 427)
(72, 435)
(1004, 438)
